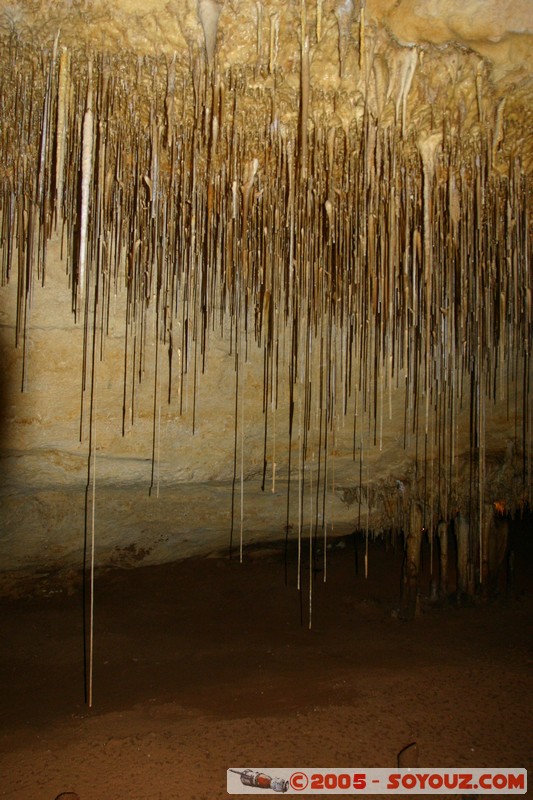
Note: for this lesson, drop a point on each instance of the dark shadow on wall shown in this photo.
(11, 378)
(7, 344)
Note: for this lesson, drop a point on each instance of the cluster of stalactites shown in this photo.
(366, 254)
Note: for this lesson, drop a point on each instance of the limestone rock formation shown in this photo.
(265, 271)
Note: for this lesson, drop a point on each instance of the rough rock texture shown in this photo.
(293, 87)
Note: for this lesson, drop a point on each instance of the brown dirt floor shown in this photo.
(205, 664)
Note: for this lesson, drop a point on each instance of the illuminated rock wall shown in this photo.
(267, 269)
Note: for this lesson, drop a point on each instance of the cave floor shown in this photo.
(205, 664)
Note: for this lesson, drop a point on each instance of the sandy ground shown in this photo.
(204, 665)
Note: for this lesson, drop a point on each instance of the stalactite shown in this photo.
(360, 258)
(274, 41)
(344, 13)
(86, 178)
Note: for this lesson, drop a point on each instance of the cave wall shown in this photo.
(265, 270)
